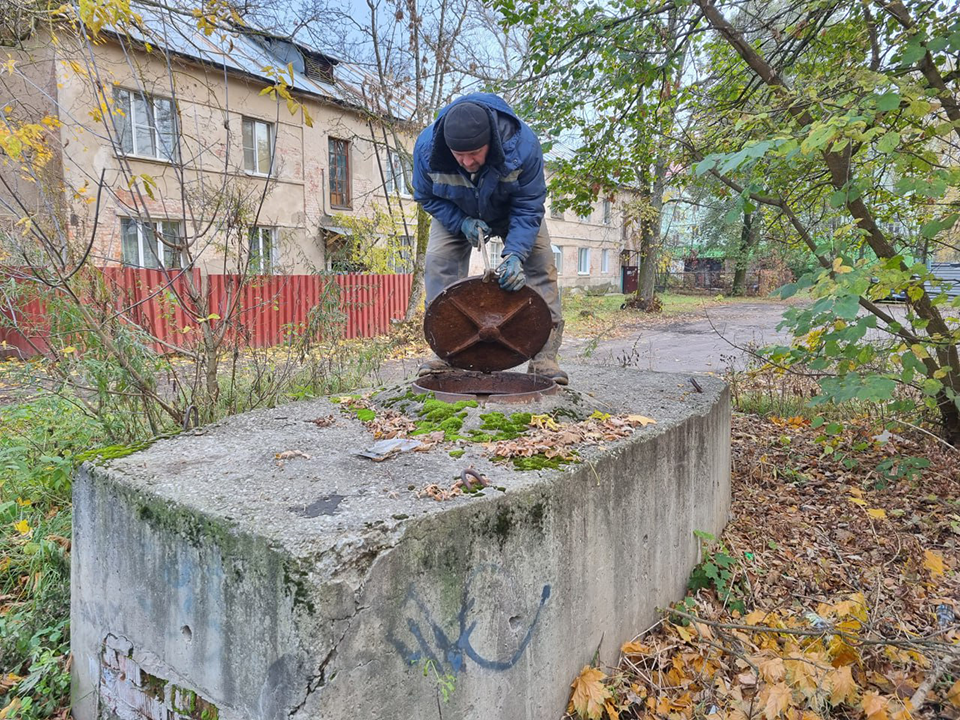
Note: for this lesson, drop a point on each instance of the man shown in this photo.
(478, 169)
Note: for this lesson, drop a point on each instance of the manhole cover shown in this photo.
(475, 325)
(494, 386)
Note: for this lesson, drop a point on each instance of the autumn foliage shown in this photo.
(848, 577)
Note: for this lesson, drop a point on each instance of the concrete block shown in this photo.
(253, 588)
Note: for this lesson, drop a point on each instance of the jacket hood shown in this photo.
(504, 132)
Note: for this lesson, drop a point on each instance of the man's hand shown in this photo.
(511, 274)
(474, 230)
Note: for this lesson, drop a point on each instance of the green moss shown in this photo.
(457, 453)
(497, 426)
(111, 452)
(538, 462)
(365, 414)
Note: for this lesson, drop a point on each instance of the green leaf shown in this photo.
(889, 100)
(935, 227)
(847, 307)
(837, 199)
(889, 142)
(913, 52)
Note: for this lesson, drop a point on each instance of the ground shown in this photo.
(831, 594)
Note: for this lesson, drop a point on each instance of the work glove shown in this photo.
(474, 230)
(510, 274)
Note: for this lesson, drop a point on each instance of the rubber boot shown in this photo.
(545, 362)
(433, 365)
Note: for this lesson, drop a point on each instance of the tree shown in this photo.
(607, 78)
(848, 112)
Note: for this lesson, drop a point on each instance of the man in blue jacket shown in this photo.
(478, 170)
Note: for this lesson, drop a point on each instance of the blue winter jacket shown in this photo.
(510, 189)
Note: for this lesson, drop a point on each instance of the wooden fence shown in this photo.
(260, 312)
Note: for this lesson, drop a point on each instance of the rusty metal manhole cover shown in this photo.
(508, 387)
(475, 325)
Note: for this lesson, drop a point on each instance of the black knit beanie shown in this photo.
(466, 127)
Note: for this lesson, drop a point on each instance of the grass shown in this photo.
(39, 447)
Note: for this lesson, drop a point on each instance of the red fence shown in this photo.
(261, 312)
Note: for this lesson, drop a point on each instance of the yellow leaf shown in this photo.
(635, 648)
(857, 501)
(640, 420)
(839, 268)
(933, 561)
(611, 710)
(24, 502)
(775, 700)
(69, 349)
(23, 527)
(771, 668)
(875, 706)
(877, 513)
(589, 694)
(804, 674)
(683, 632)
(597, 415)
(10, 709)
(544, 421)
(842, 686)
(953, 694)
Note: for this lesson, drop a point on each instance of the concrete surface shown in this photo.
(213, 580)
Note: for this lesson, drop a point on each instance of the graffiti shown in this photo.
(429, 641)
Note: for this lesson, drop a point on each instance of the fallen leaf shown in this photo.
(877, 513)
(953, 694)
(933, 561)
(843, 688)
(635, 648)
(289, 454)
(875, 706)
(22, 527)
(775, 700)
(640, 420)
(589, 694)
(611, 710)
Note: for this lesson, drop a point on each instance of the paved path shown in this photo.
(703, 342)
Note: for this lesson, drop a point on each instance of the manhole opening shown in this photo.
(493, 387)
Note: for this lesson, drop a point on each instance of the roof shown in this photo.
(259, 55)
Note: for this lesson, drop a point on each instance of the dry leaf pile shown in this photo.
(559, 440)
(848, 569)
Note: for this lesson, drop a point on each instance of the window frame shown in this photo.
(128, 124)
(607, 211)
(604, 261)
(347, 193)
(557, 257)
(271, 132)
(272, 258)
(583, 253)
(398, 162)
(161, 252)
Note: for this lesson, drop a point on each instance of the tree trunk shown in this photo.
(415, 304)
(646, 299)
(748, 241)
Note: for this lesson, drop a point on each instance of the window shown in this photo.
(605, 261)
(146, 244)
(555, 212)
(257, 146)
(339, 173)
(586, 216)
(583, 261)
(147, 126)
(398, 171)
(557, 258)
(263, 250)
(607, 211)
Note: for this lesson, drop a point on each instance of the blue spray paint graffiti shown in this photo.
(433, 643)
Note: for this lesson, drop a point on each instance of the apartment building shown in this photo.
(175, 149)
